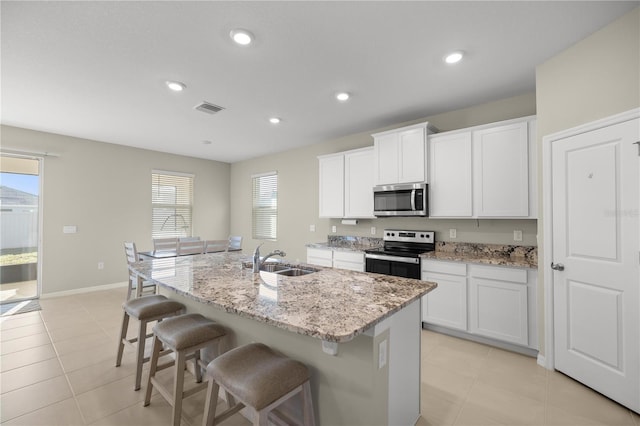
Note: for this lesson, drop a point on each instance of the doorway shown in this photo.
(20, 223)
(592, 242)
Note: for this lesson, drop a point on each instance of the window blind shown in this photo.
(265, 206)
(171, 202)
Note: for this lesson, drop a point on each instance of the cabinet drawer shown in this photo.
(348, 256)
(351, 266)
(500, 274)
(320, 253)
(437, 266)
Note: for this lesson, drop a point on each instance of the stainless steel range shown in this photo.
(400, 254)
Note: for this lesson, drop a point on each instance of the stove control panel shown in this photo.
(409, 236)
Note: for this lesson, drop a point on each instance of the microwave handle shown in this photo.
(413, 199)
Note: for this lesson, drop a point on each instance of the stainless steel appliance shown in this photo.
(401, 200)
(400, 254)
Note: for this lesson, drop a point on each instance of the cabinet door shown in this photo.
(386, 159)
(320, 257)
(412, 156)
(331, 186)
(447, 304)
(501, 170)
(498, 309)
(358, 184)
(450, 182)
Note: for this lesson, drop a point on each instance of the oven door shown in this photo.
(396, 266)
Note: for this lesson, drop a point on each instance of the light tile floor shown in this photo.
(57, 368)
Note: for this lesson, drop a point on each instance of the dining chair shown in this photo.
(187, 239)
(190, 247)
(235, 242)
(136, 283)
(213, 246)
(165, 244)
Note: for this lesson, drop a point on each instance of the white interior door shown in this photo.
(596, 239)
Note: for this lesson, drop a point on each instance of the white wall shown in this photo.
(105, 190)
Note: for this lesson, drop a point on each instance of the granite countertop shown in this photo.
(488, 254)
(348, 243)
(331, 304)
(328, 246)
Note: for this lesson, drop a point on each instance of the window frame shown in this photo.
(181, 207)
(264, 209)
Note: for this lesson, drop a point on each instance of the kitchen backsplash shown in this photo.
(353, 242)
(496, 250)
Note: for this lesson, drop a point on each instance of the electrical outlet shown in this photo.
(100, 265)
(453, 233)
(334, 229)
(312, 228)
(517, 235)
(373, 230)
(382, 354)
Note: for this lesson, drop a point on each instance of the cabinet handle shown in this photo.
(557, 266)
(638, 143)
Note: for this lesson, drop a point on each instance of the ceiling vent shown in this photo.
(208, 108)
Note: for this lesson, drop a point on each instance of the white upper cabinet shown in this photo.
(450, 181)
(331, 188)
(358, 183)
(346, 184)
(501, 169)
(484, 172)
(401, 155)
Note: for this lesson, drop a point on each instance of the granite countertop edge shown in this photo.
(512, 261)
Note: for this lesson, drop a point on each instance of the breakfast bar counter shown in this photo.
(358, 332)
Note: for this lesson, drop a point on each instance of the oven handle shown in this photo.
(414, 260)
(413, 200)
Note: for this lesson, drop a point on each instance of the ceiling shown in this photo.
(97, 70)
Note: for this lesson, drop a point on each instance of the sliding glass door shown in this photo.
(20, 188)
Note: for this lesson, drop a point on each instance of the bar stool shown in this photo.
(145, 309)
(185, 336)
(260, 379)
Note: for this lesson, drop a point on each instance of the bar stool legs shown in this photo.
(185, 336)
(146, 309)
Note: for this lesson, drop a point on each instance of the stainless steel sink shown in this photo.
(283, 269)
(295, 272)
(274, 267)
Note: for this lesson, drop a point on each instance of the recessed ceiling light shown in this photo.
(342, 96)
(274, 120)
(242, 37)
(176, 86)
(453, 57)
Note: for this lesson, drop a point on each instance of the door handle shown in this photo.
(557, 266)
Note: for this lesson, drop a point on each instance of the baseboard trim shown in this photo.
(481, 339)
(83, 290)
(542, 361)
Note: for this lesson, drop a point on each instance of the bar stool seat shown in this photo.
(145, 309)
(259, 378)
(185, 336)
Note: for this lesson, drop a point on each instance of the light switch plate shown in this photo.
(373, 230)
(334, 229)
(517, 235)
(69, 229)
(312, 228)
(453, 233)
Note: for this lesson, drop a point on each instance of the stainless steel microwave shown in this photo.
(401, 200)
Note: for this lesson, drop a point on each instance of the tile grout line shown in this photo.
(66, 377)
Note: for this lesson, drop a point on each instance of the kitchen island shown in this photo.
(359, 333)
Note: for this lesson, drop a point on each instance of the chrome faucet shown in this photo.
(256, 257)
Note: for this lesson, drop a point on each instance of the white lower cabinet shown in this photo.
(320, 257)
(351, 260)
(491, 301)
